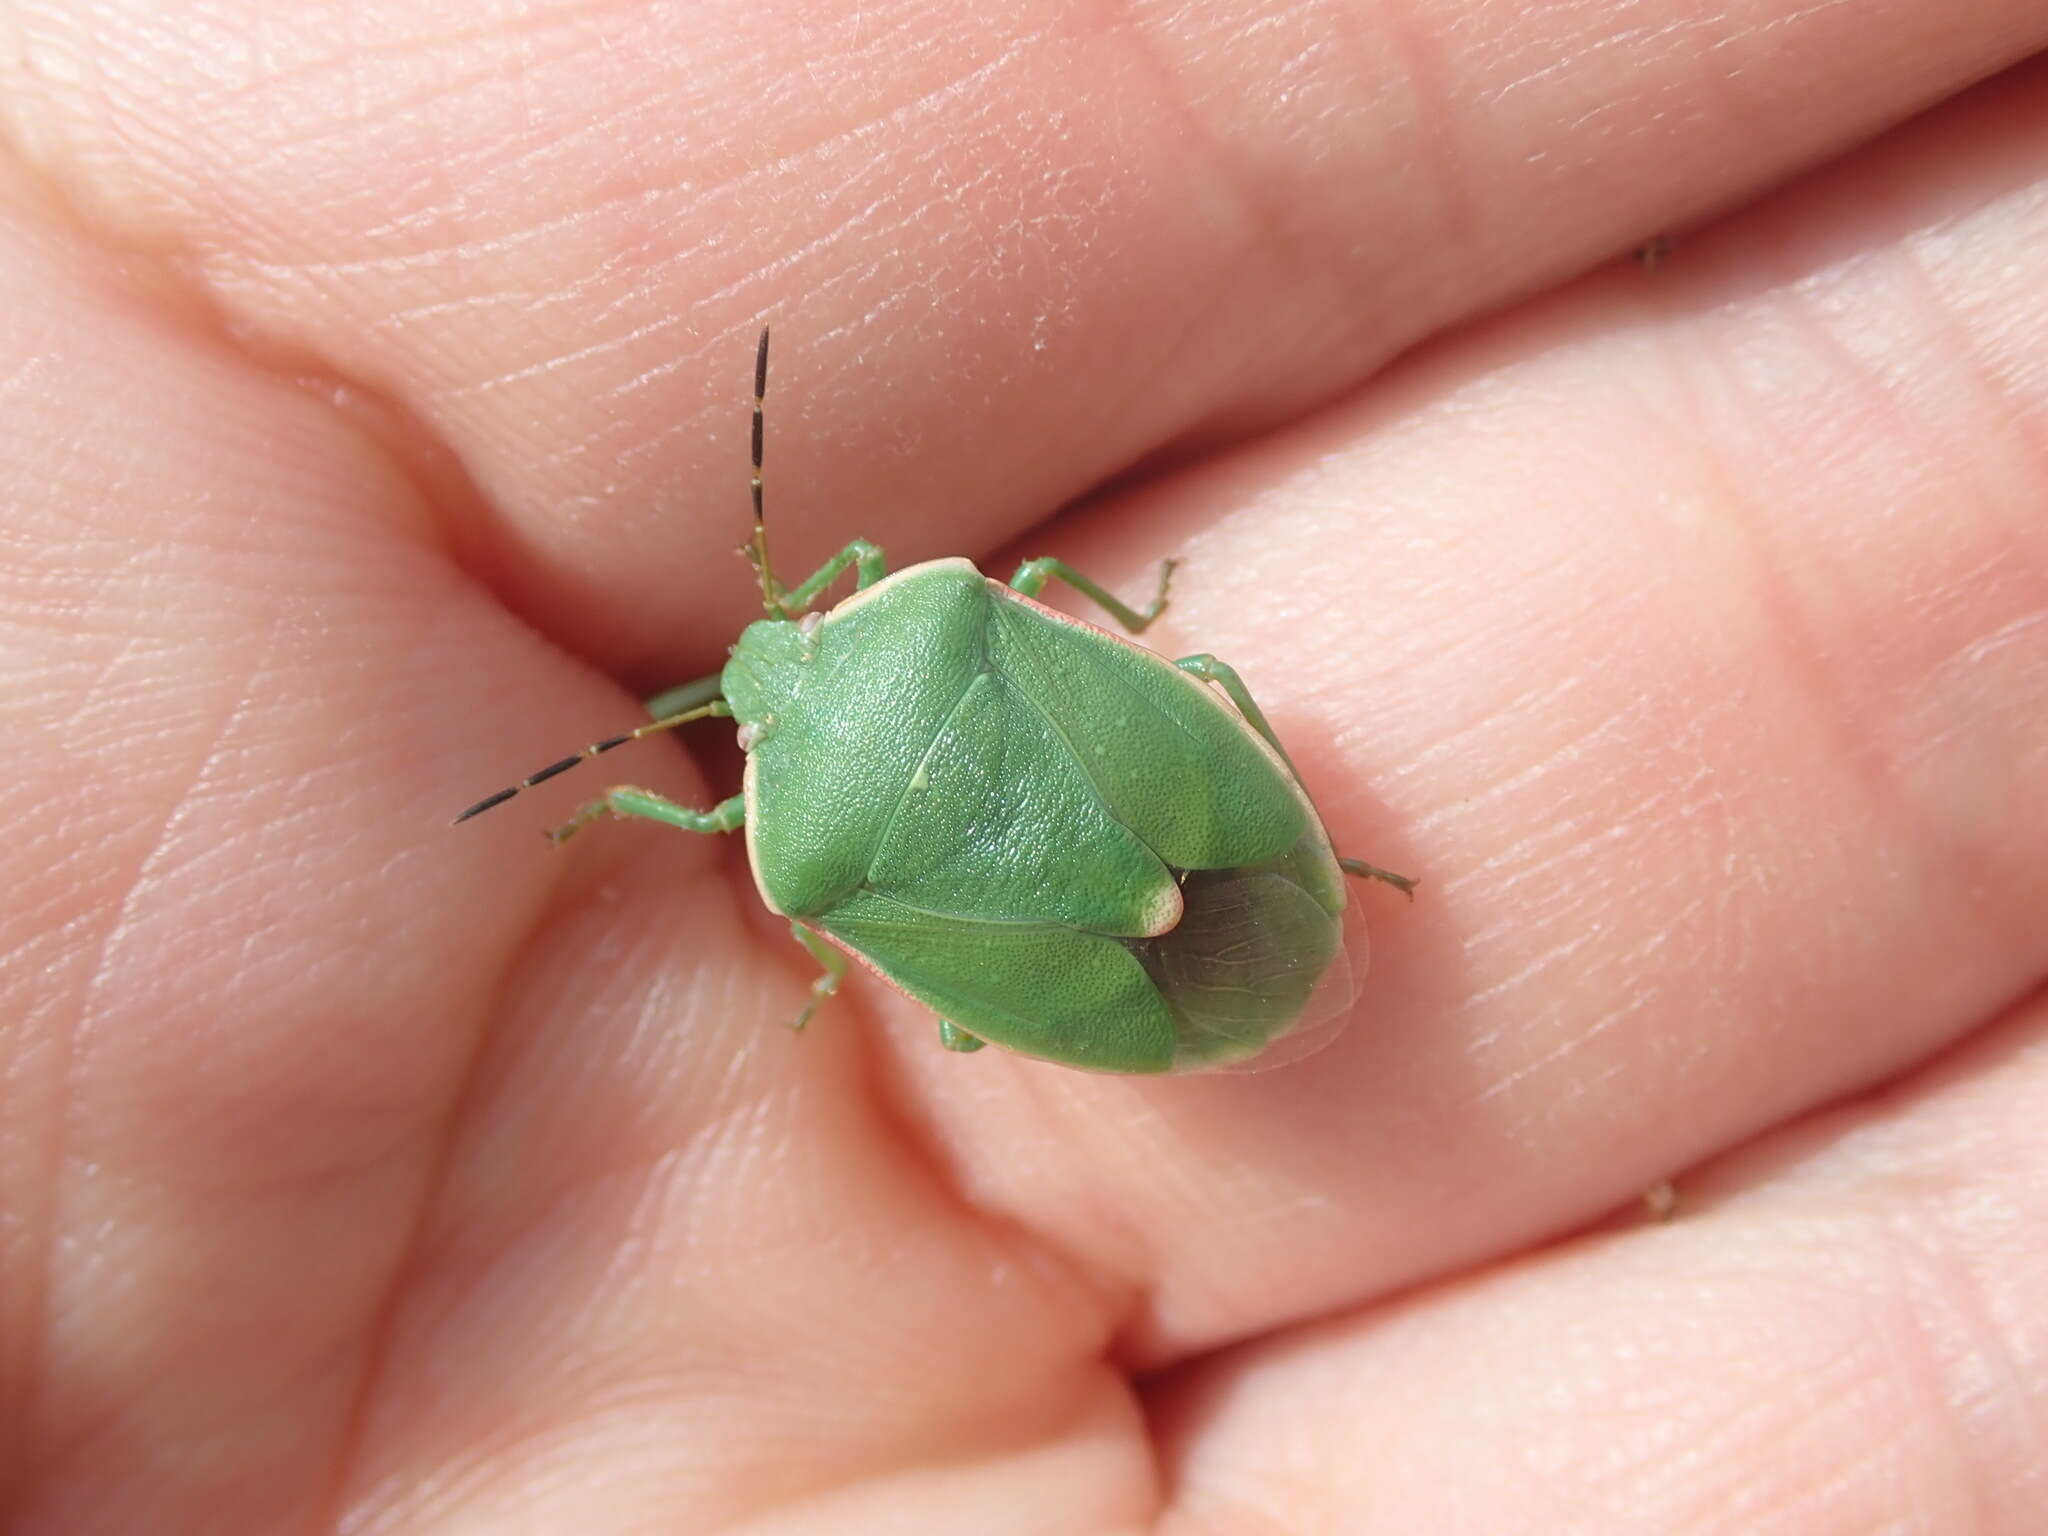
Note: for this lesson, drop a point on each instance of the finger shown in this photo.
(1842, 1323)
(243, 971)
(1687, 641)
(682, 1257)
(352, 1161)
(551, 243)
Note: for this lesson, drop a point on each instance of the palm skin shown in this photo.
(377, 393)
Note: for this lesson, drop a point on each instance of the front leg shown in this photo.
(685, 697)
(869, 566)
(630, 800)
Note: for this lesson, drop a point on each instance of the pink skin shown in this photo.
(376, 391)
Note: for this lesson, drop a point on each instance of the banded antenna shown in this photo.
(771, 594)
(771, 589)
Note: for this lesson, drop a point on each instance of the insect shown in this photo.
(1060, 842)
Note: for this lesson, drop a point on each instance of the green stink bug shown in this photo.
(1057, 840)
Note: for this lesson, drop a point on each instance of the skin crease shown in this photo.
(376, 386)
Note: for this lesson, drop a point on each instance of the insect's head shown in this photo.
(767, 671)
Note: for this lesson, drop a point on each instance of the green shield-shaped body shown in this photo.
(1053, 838)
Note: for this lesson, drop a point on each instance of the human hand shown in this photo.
(377, 388)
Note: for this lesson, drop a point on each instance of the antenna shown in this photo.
(771, 589)
(596, 749)
(771, 594)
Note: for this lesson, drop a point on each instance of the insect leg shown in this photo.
(628, 800)
(833, 962)
(1032, 576)
(1210, 670)
(1405, 884)
(954, 1038)
(685, 697)
(869, 566)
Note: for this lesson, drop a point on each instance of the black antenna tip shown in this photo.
(761, 365)
(484, 805)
